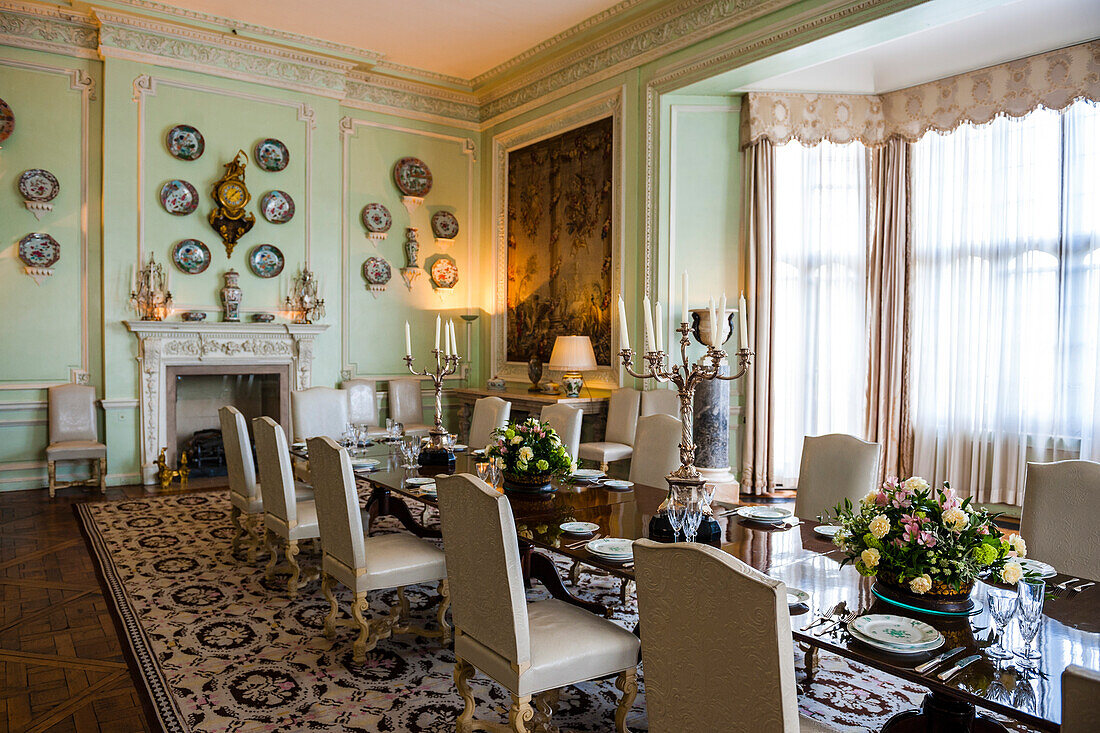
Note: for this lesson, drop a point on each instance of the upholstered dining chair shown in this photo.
(362, 397)
(656, 449)
(690, 673)
(406, 405)
(660, 402)
(244, 489)
(566, 422)
(622, 420)
(285, 515)
(73, 435)
(531, 649)
(364, 563)
(834, 467)
(490, 413)
(1058, 520)
(1080, 700)
(318, 411)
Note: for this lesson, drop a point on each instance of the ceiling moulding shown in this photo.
(48, 28)
(135, 38)
(409, 99)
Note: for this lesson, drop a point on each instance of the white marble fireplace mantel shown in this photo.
(169, 343)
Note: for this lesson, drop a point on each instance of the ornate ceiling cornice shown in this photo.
(48, 28)
(380, 93)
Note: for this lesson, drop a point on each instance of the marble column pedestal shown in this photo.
(712, 431)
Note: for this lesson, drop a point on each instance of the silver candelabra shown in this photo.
(437, 453)
(149, 294)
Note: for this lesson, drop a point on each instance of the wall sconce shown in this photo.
(150, 296)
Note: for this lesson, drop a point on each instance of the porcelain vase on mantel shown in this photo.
(231, 297)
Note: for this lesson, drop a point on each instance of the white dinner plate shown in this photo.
(579, 527)
(459, 448)
(896, 633)
(1039, 568)
(587, 474)
(419, 481)
(365, 462)
(299, 444)
(765, 514)
(827, 530)
(613, 483)
(796, 596)
(428, 490)
(615, 549)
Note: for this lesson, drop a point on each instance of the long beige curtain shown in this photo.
(888, 266)
(758, 232)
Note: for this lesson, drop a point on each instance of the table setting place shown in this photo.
(778, 518)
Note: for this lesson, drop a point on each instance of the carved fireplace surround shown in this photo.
(162, 344)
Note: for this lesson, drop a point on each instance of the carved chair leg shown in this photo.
(441, 612)
(624, 590)
(273, 549)
(103, 476)
(546, 704)
(334, 607)
(603, 466)
(520, 713)
(235, 519)
(370, 632)
(627, 681)
(402, 604)
(575, 572)
(462, 674)
(255, 540)
(51, 469)
(295, 571)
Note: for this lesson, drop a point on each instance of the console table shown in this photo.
(592, 402)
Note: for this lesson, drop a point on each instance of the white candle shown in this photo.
(133, 278)
(437, 322)
(660, 326)
(743, 310)
(624, 337)
(720, 327)
(454, 340)
(684, 315)
(408, 340)
(713, 321)
(650, 341)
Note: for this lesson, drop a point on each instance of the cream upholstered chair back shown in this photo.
(490, 413)
(660, 402)
(319, 411)
(238, 452)
(690, 672)
(488, 602)
(362, 397)
(1080, 700)
(338, 518)
(72, 413)
(566, 422)
(622, 416)
(405, 405)
(835, 467)
(273, 457)
(1059, 516)
(656, 449)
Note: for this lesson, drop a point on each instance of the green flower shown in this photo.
(509, 433)
(521, 466)
(984, 554)
(542, 465)
(871, 541)
(863, 569)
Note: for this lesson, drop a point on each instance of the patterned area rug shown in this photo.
(217, 647)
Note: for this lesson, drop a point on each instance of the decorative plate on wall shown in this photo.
(179, 197)
(39, 250)
(38, 185)
(191, 256)
(444, 225)
(277, 207)
(444, 272)
(377, 272)
(7, 121)
(377, 219)
(271, 155)
(185, 142)
(412, 177)
(265, 260)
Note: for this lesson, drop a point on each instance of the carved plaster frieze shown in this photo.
(48, 28)
(372, 90)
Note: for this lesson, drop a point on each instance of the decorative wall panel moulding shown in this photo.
(48, 28)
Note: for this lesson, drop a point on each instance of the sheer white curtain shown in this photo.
(1005, 298)
(819, 350)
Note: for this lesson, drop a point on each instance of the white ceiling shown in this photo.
(455, 37)
(989, 35)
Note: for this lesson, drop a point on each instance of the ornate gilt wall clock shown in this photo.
(229, 218)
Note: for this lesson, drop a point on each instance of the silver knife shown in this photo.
(944, 676)
(934, 661)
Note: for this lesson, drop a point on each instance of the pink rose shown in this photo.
(881, 498)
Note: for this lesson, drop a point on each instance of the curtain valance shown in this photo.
(1053, 80)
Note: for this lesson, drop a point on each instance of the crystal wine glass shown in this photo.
(483, 470)
(677, 511)
(694, 514)
(1029, 607)
(1002, 605)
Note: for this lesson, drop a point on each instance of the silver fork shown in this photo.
(1062, 587)
(1081, 587)
(828, 615)
(844, 620)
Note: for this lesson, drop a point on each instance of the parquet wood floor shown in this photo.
(61, 665)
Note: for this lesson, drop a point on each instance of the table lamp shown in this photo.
(572, 355)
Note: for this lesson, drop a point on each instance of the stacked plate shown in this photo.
(587, 474)
(360, 464)
(827, 530)
(895, 634)
(1041, 569)
(579, 528)
(612, 549)
(765, 514)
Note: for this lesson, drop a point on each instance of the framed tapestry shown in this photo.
(559, 244)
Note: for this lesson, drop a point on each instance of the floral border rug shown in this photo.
(217, 647)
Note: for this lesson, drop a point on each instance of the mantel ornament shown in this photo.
(304, 301)
(149, 293)
(411, 270)
(229, 218)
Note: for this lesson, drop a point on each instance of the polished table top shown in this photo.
(1071, 626)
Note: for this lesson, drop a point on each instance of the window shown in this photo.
(820, 341)
(1005, 289)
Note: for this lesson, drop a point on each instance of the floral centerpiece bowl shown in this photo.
(532, 454)
(926, 547)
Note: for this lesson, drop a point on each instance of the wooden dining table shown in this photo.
(797, 555)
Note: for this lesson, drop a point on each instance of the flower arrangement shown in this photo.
(926, 540)
(530, 448)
